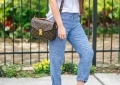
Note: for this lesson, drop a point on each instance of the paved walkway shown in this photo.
(97, 79)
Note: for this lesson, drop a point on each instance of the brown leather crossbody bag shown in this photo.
(44, 29)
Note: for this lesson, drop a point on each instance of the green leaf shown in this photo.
(110, 15)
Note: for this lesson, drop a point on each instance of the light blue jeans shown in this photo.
(77, 37)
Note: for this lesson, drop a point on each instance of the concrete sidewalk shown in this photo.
(97, 79)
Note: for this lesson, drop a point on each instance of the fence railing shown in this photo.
(101, 23)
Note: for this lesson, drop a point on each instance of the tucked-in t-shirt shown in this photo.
(70, 6)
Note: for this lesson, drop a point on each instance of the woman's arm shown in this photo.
(56, 14)
(81, 7)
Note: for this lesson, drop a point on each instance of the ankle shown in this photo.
(80, 83)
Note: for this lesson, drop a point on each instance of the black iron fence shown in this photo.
(101, 23)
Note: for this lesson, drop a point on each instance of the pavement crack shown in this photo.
(99, 80)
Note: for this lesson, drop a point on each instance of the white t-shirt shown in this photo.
(70, 6)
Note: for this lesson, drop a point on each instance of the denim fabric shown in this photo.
(77, 37)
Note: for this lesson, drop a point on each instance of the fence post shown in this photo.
(94, 29)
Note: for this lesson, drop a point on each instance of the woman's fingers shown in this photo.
(62, 36)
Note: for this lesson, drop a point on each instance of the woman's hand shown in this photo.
(61, 32)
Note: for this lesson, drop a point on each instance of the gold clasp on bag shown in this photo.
(40, 31)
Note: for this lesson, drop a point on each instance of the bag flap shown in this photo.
(43, 24)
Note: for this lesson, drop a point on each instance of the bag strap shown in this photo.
(61, 6)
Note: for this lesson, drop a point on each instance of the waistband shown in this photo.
(69, 15)
(66, 15)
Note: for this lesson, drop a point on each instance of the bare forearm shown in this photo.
(56, 13)
(81, 2)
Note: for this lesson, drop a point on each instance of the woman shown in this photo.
(69, 28)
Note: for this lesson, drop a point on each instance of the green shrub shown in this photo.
(11, 70)
(43, 67)
(93, 69)
(1, 71)
(69, 68)
(24, 74)
(40, 69)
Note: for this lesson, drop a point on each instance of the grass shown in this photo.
(29, 74)
(68, 68)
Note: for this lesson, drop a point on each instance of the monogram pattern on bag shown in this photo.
(45, 25)
(48, 29)
(49, 35)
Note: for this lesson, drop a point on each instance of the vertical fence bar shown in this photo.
(47, 6)
(72, 54)
(111, 35)
(21, 28)
(4, 36)
(38, 8)
(30, 31)
(47, 41)
(89, 20)
(94, 29)
(104, 27)
(119, 35)
(13, 30)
